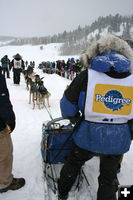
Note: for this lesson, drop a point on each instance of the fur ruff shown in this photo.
(106, 44)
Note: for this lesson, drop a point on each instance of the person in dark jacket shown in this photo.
(7, 125)
(18, 66)
(103, 93)
(77, 67)
(5, 65)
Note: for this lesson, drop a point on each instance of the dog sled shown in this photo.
(56, 144)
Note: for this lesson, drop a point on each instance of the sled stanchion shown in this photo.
(85, 178)
(54, 185)
(46, 195)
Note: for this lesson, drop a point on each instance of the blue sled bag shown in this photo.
(55, 134)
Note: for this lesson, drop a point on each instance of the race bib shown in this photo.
(17, 64)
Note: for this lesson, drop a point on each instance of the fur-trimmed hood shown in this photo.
(17, 56)
(106, 44)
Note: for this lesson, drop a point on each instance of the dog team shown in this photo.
(37, 91)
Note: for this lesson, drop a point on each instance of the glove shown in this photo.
(9, 129)
(75, 119)
(5, 131)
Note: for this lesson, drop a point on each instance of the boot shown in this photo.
(16, 184)
(61, 197)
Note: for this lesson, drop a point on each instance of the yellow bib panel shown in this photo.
(113, 99)
(17, 64)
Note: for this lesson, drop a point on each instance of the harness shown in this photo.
(43, 90)
(34, 88)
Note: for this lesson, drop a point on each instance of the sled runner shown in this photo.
(56, 144)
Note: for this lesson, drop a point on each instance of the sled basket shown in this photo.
(54, 135)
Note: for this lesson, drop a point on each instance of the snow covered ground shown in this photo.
(50, 52)
(27, 134)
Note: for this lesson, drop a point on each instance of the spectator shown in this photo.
(7, 125)
(5, 65)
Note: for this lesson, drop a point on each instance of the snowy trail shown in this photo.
(26, 139)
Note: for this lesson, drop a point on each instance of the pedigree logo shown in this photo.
(112, 99)
(17, 63)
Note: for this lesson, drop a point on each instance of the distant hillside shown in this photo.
(5, 40)
(76, 41)
(119, 25)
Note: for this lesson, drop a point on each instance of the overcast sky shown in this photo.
(28, 18)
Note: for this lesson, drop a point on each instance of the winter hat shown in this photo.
(105, 61)
(109, 52)
(18, 56)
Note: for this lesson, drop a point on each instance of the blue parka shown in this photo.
(97, 137)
